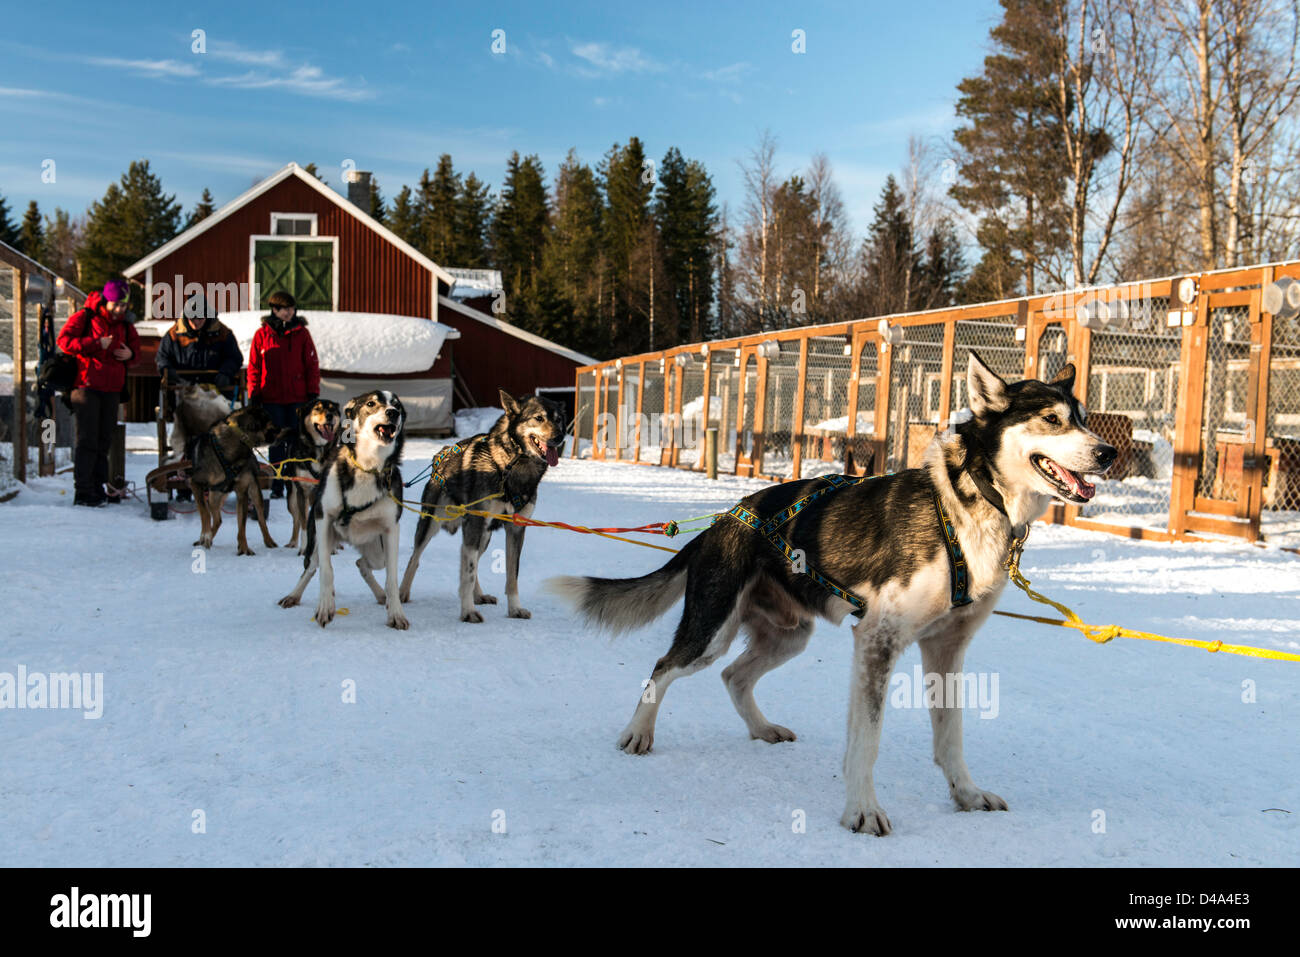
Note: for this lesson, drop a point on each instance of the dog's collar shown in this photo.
(976, 466)
(383, 473)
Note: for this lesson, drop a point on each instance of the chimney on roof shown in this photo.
(359, 189)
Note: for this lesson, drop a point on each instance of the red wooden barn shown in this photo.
(291, 231)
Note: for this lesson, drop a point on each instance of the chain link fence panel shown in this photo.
(723, 402)
(690, 424)
(995, 342)
(863, 444)
(1132, 403)
(1280, 518)
(652, 413)
(826, 405)
(1223, 431)
(778, 410)
(915, 383)
(585, 413)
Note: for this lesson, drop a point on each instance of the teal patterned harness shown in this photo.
(770, 530)
(517, 500)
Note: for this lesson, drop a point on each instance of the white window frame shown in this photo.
(276, 217)
(252, 260)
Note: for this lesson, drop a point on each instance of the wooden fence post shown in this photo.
(20, 381)
(1191, 410)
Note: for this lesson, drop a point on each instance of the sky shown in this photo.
(85, 89)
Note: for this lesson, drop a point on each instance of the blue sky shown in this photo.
(393, 86)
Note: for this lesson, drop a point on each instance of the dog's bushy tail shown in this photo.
(618, 605)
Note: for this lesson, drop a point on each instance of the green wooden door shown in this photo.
(303, 269)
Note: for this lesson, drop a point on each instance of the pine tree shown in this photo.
(204, 208)
(687, 221)
(377, 209)
(518, 234)
(569, 310)
(628, 182)
(473, 211)
(8, 232)
(940, 274)
(31, 237)
(438, 210)
(404, 217)
(63, 238)
(311, 168)
(133, 218)
(1012, 169)
(890, 269)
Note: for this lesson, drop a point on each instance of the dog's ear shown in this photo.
(1065, 378)
(508, 402)
(987, 390)
(350, 409)
(304, 410)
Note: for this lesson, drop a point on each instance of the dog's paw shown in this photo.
(397, 620)
(268, 541)
(520, 613)
(288, 601)
(404, 595)
(485, 599)
(773, 734)
(973, 799)
(472, 617)
(871, 820)
(325, 612)
(244, 550)
(635, 741)
(203, 542)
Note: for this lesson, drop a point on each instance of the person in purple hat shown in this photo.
(105, 342)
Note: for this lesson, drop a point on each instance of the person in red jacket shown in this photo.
(105, 342)
(283, 372)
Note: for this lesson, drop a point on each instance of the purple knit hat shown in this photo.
(115, 290)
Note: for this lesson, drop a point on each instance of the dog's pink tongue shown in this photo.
(1077, 484)
(552, 456)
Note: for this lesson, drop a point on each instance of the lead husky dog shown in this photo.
(354, 503)
(509, 462)
(1024, 445)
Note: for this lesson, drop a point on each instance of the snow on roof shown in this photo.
(471, 283)
(356, 342)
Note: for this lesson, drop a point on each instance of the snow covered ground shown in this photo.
(217, 701)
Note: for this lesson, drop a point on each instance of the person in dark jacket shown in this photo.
(283, 371)
(105, 342)
(198, 348)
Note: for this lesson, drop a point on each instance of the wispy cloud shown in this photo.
(729, 74)
(306, 79)
(274, 70)
(608, 59)
(152, 68)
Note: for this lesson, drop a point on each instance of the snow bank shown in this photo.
(865, 426)
(357, 342)
(470, 422)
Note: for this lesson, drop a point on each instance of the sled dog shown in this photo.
(509, 461)
(354, 503)
(224, 461)
(916, 556)
(318, 432)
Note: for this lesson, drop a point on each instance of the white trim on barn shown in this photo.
(276, 217)
(462, 310)
(252, 262)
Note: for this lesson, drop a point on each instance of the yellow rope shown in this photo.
(1104, 633)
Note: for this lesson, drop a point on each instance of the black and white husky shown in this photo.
(885, 542)
(503, 466)
(354, 503)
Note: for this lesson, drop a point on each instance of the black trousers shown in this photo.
(95, 413)
(285, 416)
